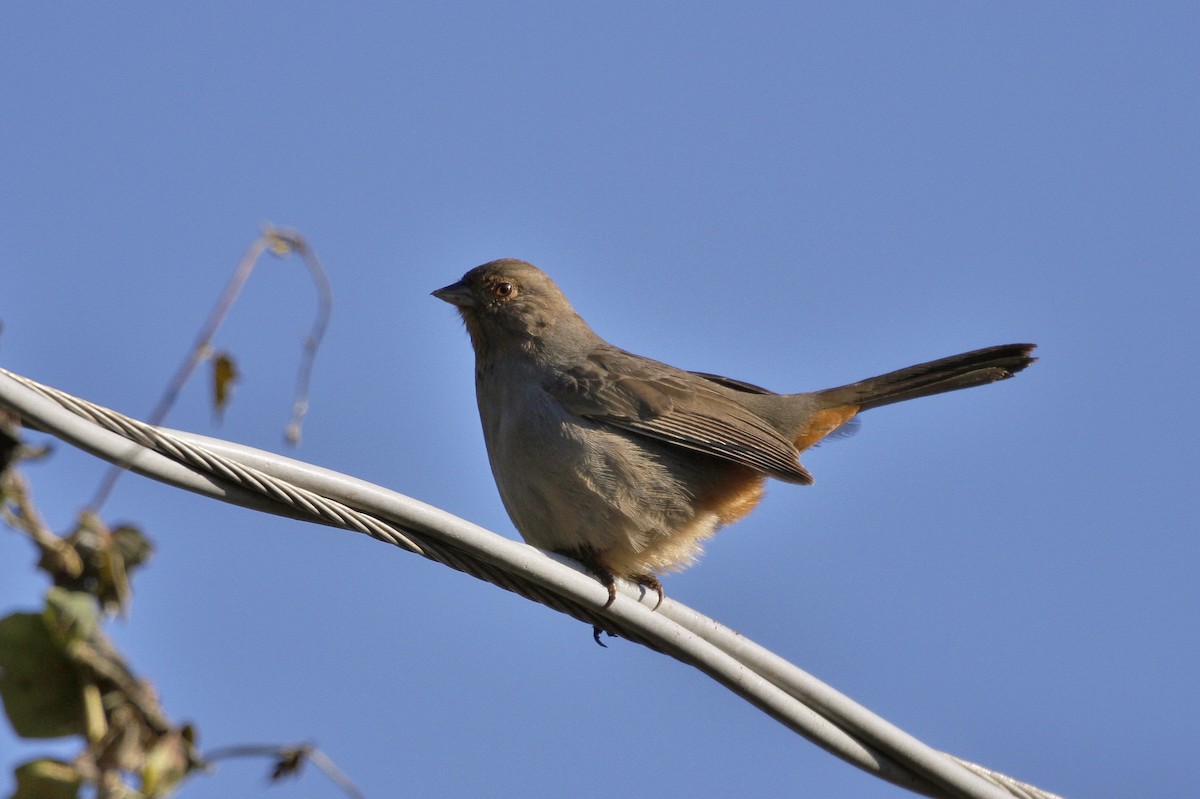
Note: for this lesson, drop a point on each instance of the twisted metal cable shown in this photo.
(283, 486)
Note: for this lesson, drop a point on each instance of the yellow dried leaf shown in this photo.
(225, 374)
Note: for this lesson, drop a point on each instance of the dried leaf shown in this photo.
(289, 762)
(279, 245)
(225, 374)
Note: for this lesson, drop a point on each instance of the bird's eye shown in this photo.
(503, 289)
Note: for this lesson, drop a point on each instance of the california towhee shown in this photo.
(628, 464)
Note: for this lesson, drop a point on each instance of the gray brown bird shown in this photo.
(628, 464)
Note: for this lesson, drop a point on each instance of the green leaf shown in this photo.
(71, 615)
(39, 686)
(47, 779)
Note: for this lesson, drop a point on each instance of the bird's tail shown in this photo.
(969, 369)
(828, 411)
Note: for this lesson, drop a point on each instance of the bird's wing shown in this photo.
(647, 397)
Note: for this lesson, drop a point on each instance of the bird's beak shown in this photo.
(456, 294)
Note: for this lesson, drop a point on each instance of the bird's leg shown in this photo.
(596, 630)
(647, 580)
(607, 579)
(591, 561)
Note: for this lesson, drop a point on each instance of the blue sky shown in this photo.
(795, 195)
